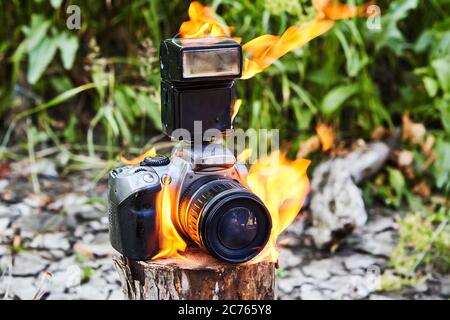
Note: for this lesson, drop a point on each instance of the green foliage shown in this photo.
(397, 183)
(41, 43)
(424, 241)
(392, 37)
(441, 168)
(389, 188)
(101, 83)
(423, 247)
(336, 97)
(281, 273)
(392, 281)
(86, 274)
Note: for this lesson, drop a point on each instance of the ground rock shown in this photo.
(337, 206)
(51, 241)
(287, 259)
(28, 264)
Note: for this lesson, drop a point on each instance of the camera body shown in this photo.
(214, 209)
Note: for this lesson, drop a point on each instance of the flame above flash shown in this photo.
(262, 51)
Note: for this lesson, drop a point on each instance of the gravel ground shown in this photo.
(55, 246)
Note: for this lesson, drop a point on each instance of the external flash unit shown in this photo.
(197, 82)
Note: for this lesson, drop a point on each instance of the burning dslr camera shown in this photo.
(214, 209)
(212, 205)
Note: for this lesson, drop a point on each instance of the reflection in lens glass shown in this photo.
(237, 228)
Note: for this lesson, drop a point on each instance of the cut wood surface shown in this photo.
(196, 276)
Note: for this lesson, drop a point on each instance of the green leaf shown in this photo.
(336, 97)
(391, 36)
(304, 96)
(125, 100)
(70, 130)
(355, 59)
(87, 274)
(56, 3)
(36, 33)
(124, 130)
(303, 116)
(424, 41)
(146, 103)
(397, 182)
(61, 84)
(55, 101)
(443, 105)
(100, 78)
(431, 86)
(109, 116)
(442, 69)
(39, 58)
(441, 165)
(285, 90)
(68, 46)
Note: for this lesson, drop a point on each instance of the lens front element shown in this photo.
(237, 228)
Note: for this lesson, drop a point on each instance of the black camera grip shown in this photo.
(134, 227)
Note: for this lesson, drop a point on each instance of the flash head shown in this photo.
(197, 84)
(205, 59)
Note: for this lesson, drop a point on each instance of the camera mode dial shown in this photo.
(156, 161)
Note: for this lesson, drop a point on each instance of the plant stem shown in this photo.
(32, 158)
(436, 233)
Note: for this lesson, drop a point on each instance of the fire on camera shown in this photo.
(214, 208)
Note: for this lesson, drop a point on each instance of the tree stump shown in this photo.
(195, 276)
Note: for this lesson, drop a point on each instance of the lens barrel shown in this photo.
(226, 219)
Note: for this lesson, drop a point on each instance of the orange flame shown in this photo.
(335, 11)
(245, 155)
(326, 136)
(170, 240)
(282, 185)
(203, 22)
(149, 153)
(266, 49)
(235, 109)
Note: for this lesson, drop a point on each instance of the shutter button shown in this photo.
(148, 178)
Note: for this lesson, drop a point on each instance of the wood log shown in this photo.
(195, 276)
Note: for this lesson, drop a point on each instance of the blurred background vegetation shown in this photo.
(82, 97)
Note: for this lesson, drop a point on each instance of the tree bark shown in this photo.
(195, 276)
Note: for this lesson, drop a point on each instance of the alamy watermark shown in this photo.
(260, 142)
(73, 21)
(374, 17)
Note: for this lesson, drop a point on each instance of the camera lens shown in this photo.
(237, 228)
(226, 219)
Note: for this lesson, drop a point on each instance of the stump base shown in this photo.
(195, 276)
